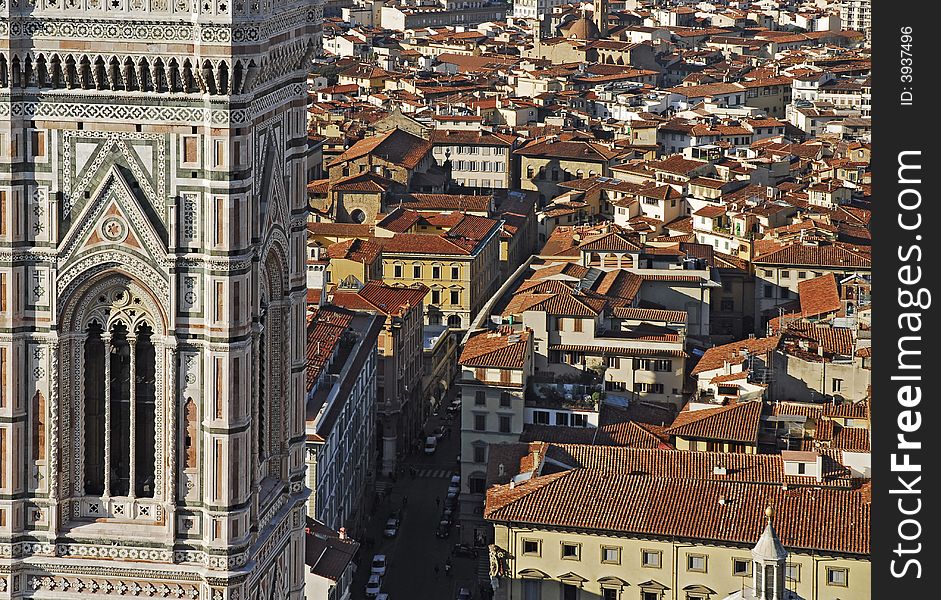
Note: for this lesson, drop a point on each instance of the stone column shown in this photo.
(171, 458)
(106, 338)
(53, 519)
(132, 452)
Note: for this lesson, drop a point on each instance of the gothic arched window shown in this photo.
(120, 399)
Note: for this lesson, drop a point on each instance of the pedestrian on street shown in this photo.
(404, 501)
(437, 570)
(437, 501)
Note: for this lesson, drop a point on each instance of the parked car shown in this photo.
(464, 550)
(378, 565)
(444, 530)
(392, 528)
(455, 485)
(382, 596)
(431, 444)
(464, 594)
(439, 432)
(455, 406)
(452, 496)
(372, 586)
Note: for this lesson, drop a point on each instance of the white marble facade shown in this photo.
(152, 288)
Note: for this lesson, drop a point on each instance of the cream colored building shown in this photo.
(590, 522)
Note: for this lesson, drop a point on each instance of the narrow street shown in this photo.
(415, 552)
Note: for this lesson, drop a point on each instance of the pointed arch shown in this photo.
(114, 74)
(188, 79)
(71, 73)
(160, 76)
(15, 76)
(223, 78)
(100, 74)
(55, 72)
(84, 73)
(209, 78)
(42, 71)
(237, 75)
(174, 77)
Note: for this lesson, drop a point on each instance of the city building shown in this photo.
(400, 365)
(340, 415)
(495, 367)
(575, 521)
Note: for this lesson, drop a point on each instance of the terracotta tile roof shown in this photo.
(734, 423)
(470, 137)
(472, 227)
(650, 314)
(363, 182)
(566, 304)
(505, 461)
(654, 461)
(830, 434)
(326, 554)
(340, 229)
(615, 350)
(677, 165)
(318, 186)
(567, 240)
(605, 500)
(710, 211)
(324, 327)
(571, 150)
(819, 296)
(681, 224)
(620, 284)
(421, 243)
(396, 146)
(717, 356)
(545, 286)
(612, 242)
(505, 349)
(400, 220)
(563, 268)
(832, 340)
(386, 299)
(729, 377)
(364, 251)
(445, 202)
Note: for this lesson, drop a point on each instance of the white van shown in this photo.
(431, 444)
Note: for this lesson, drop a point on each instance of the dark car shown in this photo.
(464, 550)
(464, 594)
(444, 530)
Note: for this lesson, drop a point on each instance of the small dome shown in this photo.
(581, 29)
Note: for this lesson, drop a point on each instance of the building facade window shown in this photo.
(611, 555)
(532, 547)
(837, 576)
(741, 567)
(696, 563)
(571, 551)
(650, 558)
